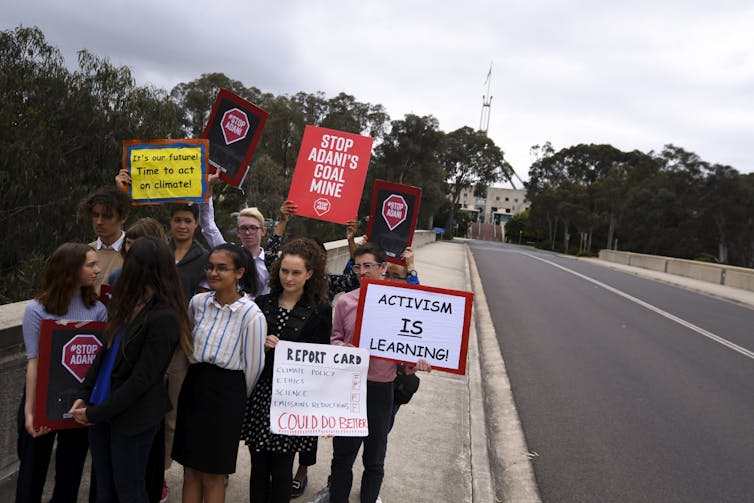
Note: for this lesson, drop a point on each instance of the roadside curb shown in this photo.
(512, 474)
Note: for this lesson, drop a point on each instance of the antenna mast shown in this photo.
(484, 122)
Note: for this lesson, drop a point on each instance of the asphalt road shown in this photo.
(628, 390)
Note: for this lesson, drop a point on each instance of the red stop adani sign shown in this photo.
(394, 211)
(330, 173)
(235, 125)
(233, 130)
(78, 355)
(392, 221)
(67, 350)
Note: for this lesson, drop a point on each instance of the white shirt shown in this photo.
(215, 238)
(229, 336)
(115, 246)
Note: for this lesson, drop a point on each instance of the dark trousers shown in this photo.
(156, 466)
(121, 463)
(308, 458)
(345, 449)
(34, 455)
(271, 477)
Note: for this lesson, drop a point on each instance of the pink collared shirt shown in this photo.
(343, 324)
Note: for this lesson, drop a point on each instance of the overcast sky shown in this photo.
(634, 74)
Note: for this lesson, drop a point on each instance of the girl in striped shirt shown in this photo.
(229, 334)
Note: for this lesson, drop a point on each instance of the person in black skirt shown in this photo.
(228, 357)
(296, 309)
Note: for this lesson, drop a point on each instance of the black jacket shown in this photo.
(191, 268)
(139, 397)
(305, 324)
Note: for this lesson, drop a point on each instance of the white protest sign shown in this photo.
(318, 389)
(405, 322)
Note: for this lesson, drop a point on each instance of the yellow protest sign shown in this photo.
(167, 170)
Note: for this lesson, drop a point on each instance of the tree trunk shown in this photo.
(611, 229)
(566, 235)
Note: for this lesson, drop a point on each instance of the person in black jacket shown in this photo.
(124, 397)
(296, 309)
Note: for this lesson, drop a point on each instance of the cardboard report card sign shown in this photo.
(318, 389)
(402, 322)
(395, 209)
(165, 171)
(233, 130)
(66, 351)
(330, 173)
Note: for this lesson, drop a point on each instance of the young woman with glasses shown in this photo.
(228, 357)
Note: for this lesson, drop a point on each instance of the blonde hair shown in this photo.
(254, 213)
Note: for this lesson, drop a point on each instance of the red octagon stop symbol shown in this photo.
(235, 125)
(394, 211)
(321, 206)
(78, 354)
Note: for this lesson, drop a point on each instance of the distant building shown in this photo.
(498, 207)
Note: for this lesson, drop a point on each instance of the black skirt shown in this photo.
(210, 413)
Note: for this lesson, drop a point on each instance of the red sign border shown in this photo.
(400, 189)
(46, 328)
(469, 296)
(247, 106)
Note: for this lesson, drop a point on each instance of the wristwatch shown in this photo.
(413, 273)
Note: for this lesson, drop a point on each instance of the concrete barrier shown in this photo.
(13, 357)
(720, 274)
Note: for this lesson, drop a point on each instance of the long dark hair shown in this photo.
(149, 274)
(241, 258)
(315, 288)
(62, 276)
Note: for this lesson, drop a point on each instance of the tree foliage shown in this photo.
(667, 203)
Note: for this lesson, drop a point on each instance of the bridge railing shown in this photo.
(721, 274)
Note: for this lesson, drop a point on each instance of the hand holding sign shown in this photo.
(409, 323)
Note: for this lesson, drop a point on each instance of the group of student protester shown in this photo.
(186, 366)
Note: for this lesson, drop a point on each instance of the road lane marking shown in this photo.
(654, 309)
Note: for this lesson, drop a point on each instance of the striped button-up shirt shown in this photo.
(229, 336)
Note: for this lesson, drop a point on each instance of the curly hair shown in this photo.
(112, 199)
(316, 287)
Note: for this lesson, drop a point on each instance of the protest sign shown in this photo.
(66, 351)
(233, 130)
(330, 173)
(166, 170)
(395, 209)
(318, 389)
(403, 322)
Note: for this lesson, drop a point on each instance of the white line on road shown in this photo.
(699, 330)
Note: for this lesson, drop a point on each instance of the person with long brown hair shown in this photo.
(67, 293)
(124, 396)
(296, 309)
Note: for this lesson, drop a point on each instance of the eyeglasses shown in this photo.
(248, 229)
(219, 268)
(366, 266)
